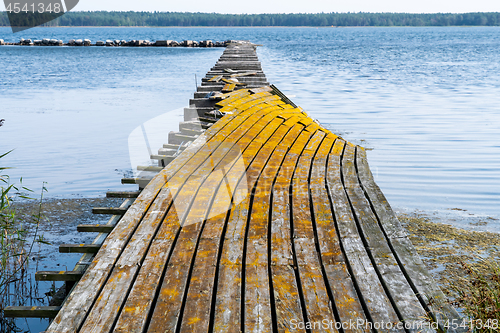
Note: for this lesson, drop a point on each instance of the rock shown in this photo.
(21, 41)
(123, 43)
(206, 43)
(37, 42)
(100, 43)
(196, 44)
(161, 43)
(87, 42)
(139, 42)
(60, 42)
(117, 42)
(2, 42)
(187, 43)
(79, 42)
(45, 41)
(53, 41)
(71, 42)
(174, 43)
(109, 42)
(146, 43)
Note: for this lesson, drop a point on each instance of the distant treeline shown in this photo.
(156, 19)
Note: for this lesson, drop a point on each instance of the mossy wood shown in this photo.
(265, 220)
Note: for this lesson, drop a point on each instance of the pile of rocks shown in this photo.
(79, 42)
(117, 42)
(168, 43)
(48, 42)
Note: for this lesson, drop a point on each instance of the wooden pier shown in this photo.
(266, 222)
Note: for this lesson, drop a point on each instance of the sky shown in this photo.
(292, 6)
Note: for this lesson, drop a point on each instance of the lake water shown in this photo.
(426, 100)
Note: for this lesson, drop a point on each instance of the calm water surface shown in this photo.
(426, 100)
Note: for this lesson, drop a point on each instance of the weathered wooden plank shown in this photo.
(244, 74)
(240, 101)
(228, 87)
(408, 259)
(105, 228)
(339, 281)
(79, 248)
(150, 168)
(165, 158)
(375, 302)
(135, 180)
(232, 96)
(109, 210)
(58, 276)
(234, 81)
(390, 274)
(31, 311)
(122, 194)
(215, 78)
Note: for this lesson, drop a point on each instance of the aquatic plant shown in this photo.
(15, 247)
(477, 292)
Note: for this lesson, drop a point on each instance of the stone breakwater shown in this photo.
(117, 42)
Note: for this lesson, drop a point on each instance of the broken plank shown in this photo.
(228, 87)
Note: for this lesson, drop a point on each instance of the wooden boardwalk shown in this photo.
(267, 221)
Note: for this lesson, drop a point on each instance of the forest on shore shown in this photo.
(162, 19)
